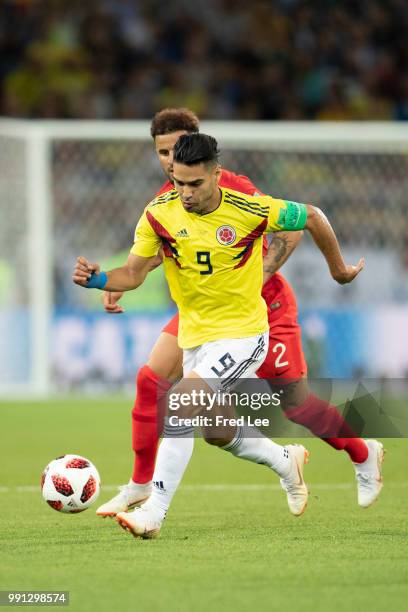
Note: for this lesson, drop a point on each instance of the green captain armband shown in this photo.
(293, 217)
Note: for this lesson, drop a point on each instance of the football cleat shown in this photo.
(368, 474)
(293, 484)
(129, 495)
(141, 523)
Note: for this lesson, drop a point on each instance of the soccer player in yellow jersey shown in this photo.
(199, 257)
(212, 243)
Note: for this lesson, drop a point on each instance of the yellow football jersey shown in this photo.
(213, 262)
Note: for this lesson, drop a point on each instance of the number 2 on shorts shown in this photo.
(280, 348)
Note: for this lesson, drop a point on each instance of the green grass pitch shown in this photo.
(229, 547)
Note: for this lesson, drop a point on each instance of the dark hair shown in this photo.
(171, 120)
(193, 149)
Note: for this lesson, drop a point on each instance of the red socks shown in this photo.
(324, 420)
(146, 425)
(355, 447)
(320, 417)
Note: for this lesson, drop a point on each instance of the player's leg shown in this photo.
(285, 363)
(249, 443)
(172, 459)
(232, 360)
(163, 368)
(153, 380)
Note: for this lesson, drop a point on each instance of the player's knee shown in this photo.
(166, 358)
(294, 394)
(288, 404)
(146, 392)
(146, 380)
(166, 368)
(217, 441)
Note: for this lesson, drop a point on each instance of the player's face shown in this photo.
(164, 145)
(197, 186)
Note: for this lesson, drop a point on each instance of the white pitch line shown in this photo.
(214, 488)
(257, 487)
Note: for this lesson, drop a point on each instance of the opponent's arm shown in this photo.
(130, 276)
(282, 246)
(323, 235)
(110, 301)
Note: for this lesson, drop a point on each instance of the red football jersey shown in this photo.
(228, 179)
(277, 293)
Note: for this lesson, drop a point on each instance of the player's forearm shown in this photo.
(127, 277)
(323, 235)
(282, 246)
(124, 279)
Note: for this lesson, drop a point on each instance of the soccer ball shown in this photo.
(70, 483)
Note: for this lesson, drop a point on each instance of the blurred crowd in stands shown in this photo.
(226, 59)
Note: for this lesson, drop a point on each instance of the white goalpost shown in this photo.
(79, 186)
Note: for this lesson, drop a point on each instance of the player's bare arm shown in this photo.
(323, 235)
(110, 299)
(282, 246)
(130, 276)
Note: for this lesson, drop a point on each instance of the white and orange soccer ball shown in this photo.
(70, 483)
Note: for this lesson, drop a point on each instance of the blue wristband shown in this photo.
(97, 281)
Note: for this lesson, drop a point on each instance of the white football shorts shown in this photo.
(222, 363)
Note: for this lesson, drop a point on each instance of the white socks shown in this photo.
(140, 489)
(259, 449)
(175, 452)
(172, 459)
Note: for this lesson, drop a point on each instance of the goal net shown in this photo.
(71, 188)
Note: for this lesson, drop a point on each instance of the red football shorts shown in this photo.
(285, 357)
(172, 326)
